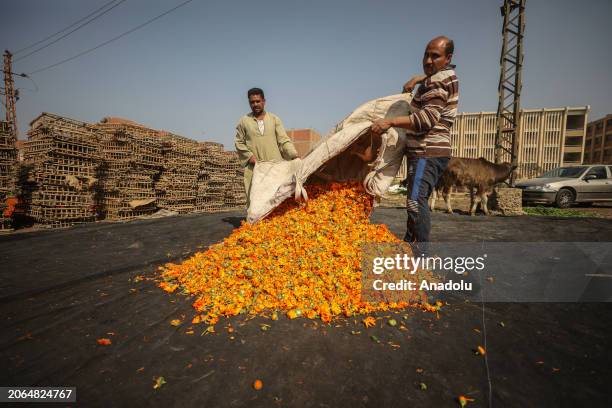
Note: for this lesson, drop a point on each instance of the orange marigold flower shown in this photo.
(463, 400)
(304, 259)
(168, 287)
(369, 321)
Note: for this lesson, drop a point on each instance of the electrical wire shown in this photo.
(109, 41)
(28, 89)
(64, 29)
(68, 33)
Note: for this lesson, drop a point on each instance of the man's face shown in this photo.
(435, 58)
(257, 104)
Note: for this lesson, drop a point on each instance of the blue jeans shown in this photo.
(423, 175)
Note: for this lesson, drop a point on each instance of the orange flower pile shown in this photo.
(303, 260)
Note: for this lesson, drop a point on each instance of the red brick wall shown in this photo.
(304, 140)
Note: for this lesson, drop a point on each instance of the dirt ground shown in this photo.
(62, 290)
(460, 203)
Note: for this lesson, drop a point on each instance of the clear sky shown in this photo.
(189, 71)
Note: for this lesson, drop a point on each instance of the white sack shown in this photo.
(274, 182)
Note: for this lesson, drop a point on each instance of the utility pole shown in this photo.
(510, 83)
(9, 92)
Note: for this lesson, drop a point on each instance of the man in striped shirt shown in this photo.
(428, 134)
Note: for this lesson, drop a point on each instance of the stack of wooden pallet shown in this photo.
(62, 158)
(211, 179)
(8, 162)
(234, 197)
(132, 164)
(177, 186)
(117, 169)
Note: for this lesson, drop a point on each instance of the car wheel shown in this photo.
(565, 198)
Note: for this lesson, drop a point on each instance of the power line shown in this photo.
(111, 40)
(69, 32)
(64, 29)
(35, 84)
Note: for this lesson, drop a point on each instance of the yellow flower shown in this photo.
(369, 321)
(303, 259)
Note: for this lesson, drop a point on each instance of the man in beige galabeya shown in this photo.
(260, 136)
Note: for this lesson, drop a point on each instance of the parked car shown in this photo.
(565, 186)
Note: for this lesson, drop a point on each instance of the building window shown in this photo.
(574, 122)
(571, 157)
(573, 141)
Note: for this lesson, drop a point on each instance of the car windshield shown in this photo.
(571, 172)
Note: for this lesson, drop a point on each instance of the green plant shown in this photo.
(554, 212)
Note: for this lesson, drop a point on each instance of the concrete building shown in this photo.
(304, 140)
(598, 144)
(547, 138)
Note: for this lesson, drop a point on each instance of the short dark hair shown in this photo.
(449, 47)
(256, 91)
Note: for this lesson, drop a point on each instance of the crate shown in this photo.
(43, 214)
(75, 172)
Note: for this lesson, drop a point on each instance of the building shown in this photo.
(304, 140)
(598, 143)
(547, 138)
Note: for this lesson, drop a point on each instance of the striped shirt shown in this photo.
(435, 108)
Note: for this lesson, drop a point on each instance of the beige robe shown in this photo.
(273, 145)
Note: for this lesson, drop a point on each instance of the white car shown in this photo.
(565, 186)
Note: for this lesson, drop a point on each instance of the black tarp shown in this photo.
(62, 290)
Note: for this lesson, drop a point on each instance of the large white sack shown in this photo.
(274, 182)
